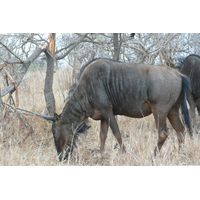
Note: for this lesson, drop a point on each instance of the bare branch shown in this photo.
(11, 52)
(24, 69)
(71, 48)
(64, 48)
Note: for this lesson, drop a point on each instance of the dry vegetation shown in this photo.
(139, 135)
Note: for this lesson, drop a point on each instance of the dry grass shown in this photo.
(139, 135)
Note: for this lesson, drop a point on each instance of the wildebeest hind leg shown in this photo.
(175, 121)
(160, 120)
(109, 116)
(103, 134)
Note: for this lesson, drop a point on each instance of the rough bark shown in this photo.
(117, 45)
(48, 87)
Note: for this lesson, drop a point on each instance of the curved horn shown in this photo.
(51, 118)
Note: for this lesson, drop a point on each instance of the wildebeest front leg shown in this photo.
(109, 116)
(103, 134)
(192, 108)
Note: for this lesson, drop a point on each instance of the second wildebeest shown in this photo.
(190, 66)
(107, 88)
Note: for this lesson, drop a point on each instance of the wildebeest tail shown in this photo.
(186, 86)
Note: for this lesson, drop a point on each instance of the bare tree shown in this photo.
(51, 56)
(48, 87)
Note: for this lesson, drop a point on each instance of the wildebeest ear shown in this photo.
(56, 117)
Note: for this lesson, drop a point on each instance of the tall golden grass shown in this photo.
(139, 135)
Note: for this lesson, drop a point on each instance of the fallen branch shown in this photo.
(28, 111)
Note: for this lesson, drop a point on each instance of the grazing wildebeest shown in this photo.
(190, 66)
(107, 88)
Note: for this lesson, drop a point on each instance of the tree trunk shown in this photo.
(52, 43)
(117, 45)
(48, 87)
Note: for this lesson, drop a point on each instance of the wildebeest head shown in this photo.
(65, 135)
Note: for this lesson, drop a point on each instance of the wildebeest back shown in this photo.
(128, 87)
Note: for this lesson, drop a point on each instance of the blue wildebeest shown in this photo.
(107, 88)
(190, 66)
